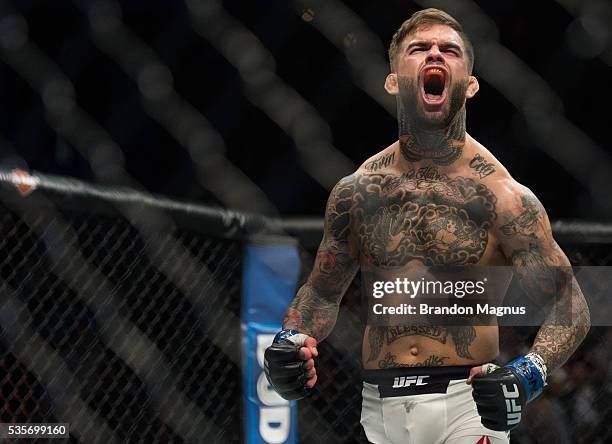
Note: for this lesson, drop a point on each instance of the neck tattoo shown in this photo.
(442, 147)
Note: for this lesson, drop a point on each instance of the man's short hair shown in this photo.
(425, 18)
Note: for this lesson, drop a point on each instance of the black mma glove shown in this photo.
(502, 393)
(283, 366)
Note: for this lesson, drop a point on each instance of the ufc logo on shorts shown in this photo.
(407, 381)
(513, 411)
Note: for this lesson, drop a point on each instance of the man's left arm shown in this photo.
(545, 274)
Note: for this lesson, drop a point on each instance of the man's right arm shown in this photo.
(315, 307)
(289, 361)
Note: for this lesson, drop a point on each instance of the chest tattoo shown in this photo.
(421, 215)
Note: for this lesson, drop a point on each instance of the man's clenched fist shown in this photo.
(289, 364)
(501, 394)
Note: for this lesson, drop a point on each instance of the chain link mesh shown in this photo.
(89, 321)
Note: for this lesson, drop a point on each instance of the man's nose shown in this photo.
(434, 54)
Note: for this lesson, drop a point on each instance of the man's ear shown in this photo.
(472, 88)
(391, 84)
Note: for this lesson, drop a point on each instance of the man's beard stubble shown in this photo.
(440, 138)
(410, 111)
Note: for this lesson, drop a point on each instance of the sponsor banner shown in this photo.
(270, 418)
(269, 280)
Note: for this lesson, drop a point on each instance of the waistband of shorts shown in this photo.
(386, 376)
(407, 381)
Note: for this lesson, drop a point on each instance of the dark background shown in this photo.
(84, 93)
(567, 43)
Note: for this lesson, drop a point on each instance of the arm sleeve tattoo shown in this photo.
(546, 276)
(315, 307)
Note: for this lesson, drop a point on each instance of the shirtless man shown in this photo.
(434, 197)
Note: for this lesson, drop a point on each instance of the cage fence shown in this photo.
(131, 346)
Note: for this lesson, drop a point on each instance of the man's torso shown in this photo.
(402, 215)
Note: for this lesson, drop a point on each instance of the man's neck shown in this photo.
(442, 147)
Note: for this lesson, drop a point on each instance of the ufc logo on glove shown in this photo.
(513, 410)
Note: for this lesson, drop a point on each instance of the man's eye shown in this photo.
(452, 51)
(416, 49)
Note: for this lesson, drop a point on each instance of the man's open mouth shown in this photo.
(434, 81)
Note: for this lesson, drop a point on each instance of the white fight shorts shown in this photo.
(423, 405)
